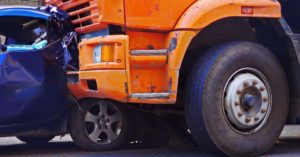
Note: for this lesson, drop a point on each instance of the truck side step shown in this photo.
(149, 95)
(149, 52)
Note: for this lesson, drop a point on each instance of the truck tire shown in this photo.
(100, 125)
(237, 99)
(35, 140)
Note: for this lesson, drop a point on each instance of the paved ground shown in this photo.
(64, 147)
(68, 149)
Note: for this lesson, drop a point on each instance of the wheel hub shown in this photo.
(103, 123)
(246, 101)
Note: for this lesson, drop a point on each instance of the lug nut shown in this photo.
(246, 84)
(254, 82)
(238, 92)
(265, 99)
(247, 120)
(236, 103)
(263, 111)
(262, 89)
(240, 114)
(256, 118)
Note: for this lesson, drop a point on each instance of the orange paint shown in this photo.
(154, 14)
(113, 53)
(146, 40)
(150, 25)
(204, 12)
(112, 12)
(111, 84)
(92, 15)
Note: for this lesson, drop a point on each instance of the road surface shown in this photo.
(64, 147)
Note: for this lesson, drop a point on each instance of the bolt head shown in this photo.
(237, 103)
(262, 89)
(240, 114)
(247, 120)
(256, 118)
(254, 82)
(263, 111)
(265, 99)
(246, 84)
(119, 60)
(238, 92)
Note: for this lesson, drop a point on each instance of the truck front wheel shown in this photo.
(237, 99)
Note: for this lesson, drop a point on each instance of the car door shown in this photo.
(33, 84)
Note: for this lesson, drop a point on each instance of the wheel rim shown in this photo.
(103, 123)
(247, 100)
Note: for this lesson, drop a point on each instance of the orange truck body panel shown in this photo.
(154, 14)
(113, 58)
(204, 12)
(166, 26)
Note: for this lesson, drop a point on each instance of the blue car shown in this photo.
(37, 48)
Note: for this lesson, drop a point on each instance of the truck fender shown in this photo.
(203, 13)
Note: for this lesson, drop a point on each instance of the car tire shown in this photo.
(100, 125)
(35, 140)
(237, 99)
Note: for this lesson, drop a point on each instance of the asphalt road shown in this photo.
(64, 147)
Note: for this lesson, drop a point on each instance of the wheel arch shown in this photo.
(203, 14)
(264, 31)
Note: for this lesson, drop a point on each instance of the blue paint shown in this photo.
(32, 86)
(24, 12)
(33, 83)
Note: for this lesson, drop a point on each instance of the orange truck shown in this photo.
(230, 66)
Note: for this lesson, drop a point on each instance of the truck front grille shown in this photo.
(85, 14)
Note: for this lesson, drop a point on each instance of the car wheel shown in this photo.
(237, 99)
(100, 125)
(35, 140)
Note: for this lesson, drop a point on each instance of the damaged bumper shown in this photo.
(103, 71)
